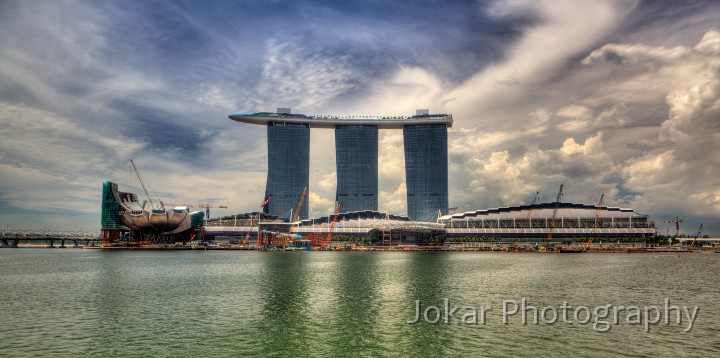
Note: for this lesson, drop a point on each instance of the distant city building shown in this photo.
(356, 146)
(288, 168)
(426, 171)
(356, 157)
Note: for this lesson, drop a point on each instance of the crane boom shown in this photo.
(296, 214)
(536, 199)
(554, 214)
(332, 225)
(597, 218)
(142, 183)
(247, 236)
(699, 232)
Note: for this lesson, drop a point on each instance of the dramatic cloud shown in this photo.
(615, 97)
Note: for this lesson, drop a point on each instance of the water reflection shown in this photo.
(64, 302)
(283, 318)
(355, 321)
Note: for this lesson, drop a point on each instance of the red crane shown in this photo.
(259, 215)
(332, 226)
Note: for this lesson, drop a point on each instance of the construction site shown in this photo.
(128, 222)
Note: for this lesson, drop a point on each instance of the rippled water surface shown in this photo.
(228, 303)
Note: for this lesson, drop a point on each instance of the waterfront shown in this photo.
(226, 303)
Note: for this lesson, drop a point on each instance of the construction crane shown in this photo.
(247, 236)
(699, 232)
(207, 209)
(332, 225)
(554, 214)
(677, 222)
(536, 199)
(296, 214)
(597, 219)
(142, 183)
(175, 204)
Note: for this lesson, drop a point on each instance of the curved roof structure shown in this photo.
(322, 121)
(147, 218)
(368, 220)
(545, 210)
(537, 220)
(357, 216)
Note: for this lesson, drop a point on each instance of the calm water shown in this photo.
(214, 303)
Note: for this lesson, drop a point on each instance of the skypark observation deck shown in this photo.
(356, 155)
(325, 121)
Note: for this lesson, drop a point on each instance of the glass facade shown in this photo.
(288, 168)
(356, 155)
(426, 170)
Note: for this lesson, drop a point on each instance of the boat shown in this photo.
(295, 248)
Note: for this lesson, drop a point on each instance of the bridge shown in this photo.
(12, 240)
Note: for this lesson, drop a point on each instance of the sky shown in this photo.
(620, 98)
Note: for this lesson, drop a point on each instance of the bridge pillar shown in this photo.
(75, 243)
(62, 243)
(51, 244)
(9, 243)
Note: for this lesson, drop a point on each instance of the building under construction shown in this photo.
(376, 227)
(368, 226)
(554, 221)
(125, 221)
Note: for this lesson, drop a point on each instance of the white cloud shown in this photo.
(295, 76)
(634, 120)
(213, 96)
(394, 201)
(576, 125)
(563, 29)
(49, 142)
(575, 111)
(320, 206)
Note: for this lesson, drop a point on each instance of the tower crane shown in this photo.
(554, 214)
(207, 209)
(677, 222)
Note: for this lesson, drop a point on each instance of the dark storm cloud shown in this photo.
(86, 85)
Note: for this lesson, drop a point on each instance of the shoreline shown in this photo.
(395, 248)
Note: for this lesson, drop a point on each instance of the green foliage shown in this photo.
(438, 239)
